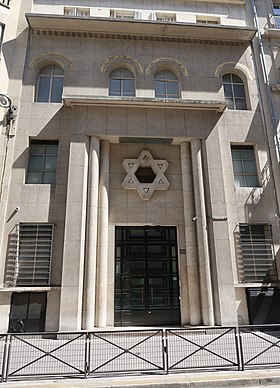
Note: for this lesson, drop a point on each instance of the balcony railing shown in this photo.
(5, 3)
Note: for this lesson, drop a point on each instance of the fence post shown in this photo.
(239, 333)
(5, 363)
(87, 354)
(165, 350)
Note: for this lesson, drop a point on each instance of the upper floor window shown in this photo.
(165, 17)
(207, 20)
(50, 84)
(119, 14)
(276, 12)
(42, 162)
(121, 83)
(74, 11)
(244, 166)
(234, 92)
(166, 84)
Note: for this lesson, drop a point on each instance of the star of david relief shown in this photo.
(145, 174)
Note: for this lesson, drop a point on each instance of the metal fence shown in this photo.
(89, 354)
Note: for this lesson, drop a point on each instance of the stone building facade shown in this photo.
(137, 186)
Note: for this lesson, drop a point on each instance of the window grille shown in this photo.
(5, 3)
(29, 255)
(255, 252)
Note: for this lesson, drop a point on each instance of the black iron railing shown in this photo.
(88, 354)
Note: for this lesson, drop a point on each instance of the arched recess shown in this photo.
(168, 63)
(49, 57)
(242, 72)
(232, 67)
(121, 61)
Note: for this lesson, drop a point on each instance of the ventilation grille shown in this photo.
(29, 255)
(255, 253)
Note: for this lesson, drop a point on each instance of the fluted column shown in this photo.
(202, 238)
(102, 244)
(91, 245)
(191, 250)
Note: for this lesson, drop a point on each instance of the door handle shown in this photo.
(152, 295)
(142, 294)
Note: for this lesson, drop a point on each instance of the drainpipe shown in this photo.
(269, 96)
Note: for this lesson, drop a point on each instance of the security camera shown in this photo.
(194, 218)
(277, 215)
(5, 101)
(17, 208)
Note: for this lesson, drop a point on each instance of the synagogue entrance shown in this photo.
(146, 276)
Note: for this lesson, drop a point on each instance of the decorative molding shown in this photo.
(167, 61)
(122, 59)
(53, 56)
(276, 88)
(146, 160)
(229, 66)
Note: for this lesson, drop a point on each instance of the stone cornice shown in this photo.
(142, 102)
(61, 25)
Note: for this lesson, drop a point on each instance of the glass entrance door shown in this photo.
(146, 276)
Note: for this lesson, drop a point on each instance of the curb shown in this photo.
(254, 379)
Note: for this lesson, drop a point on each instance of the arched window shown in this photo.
(234, 91)
(166, 84)
(121, 83)
(50, 84)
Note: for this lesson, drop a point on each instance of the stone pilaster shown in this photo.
(74, 236)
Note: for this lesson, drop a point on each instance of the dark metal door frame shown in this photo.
(147, 274)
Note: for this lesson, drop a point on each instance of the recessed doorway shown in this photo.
(146, 276)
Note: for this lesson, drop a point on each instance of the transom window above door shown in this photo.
(166, 84)
(122, 83)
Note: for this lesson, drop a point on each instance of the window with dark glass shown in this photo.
(50, 84)
(244, 166)
(121, 83)
(234, 92)
(166, 84)
(42, 162)
(257, 262)
(28, 312)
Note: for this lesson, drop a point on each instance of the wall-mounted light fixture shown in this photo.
(6, 103)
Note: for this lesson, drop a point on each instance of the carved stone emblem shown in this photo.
(145, 174)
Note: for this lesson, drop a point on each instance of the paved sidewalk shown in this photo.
(252, 379)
